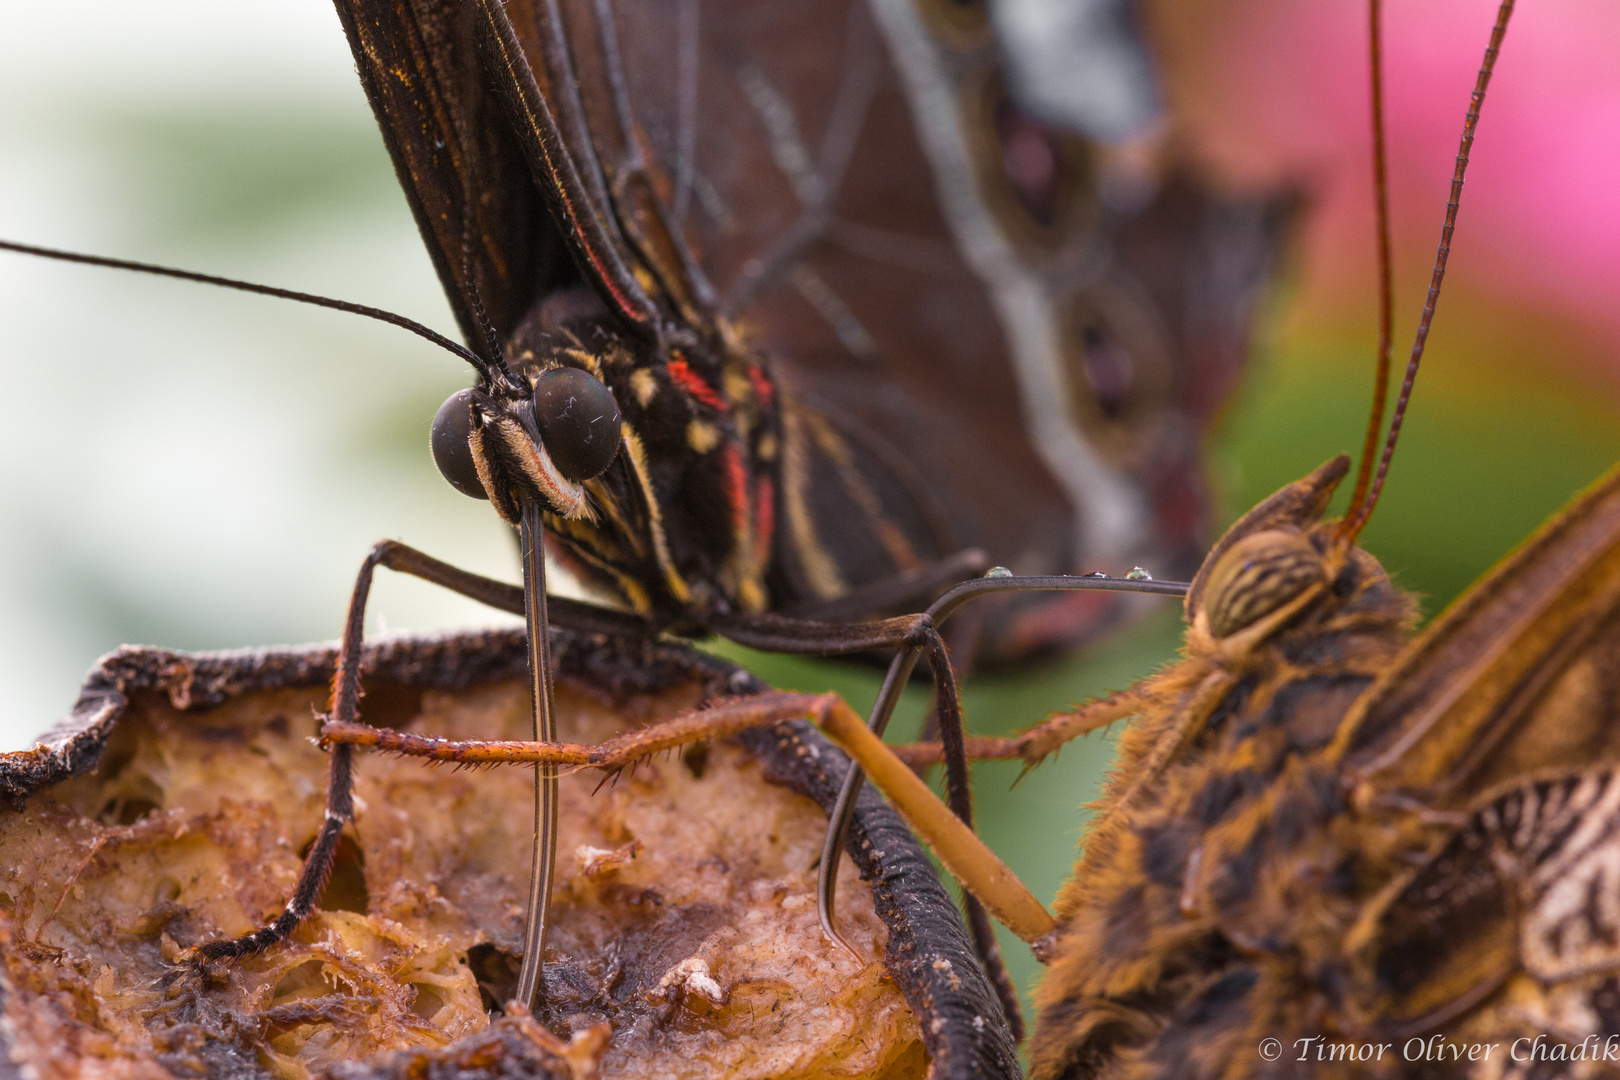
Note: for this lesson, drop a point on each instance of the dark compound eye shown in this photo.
(1258, 575)
(451, 453)
(578, 421)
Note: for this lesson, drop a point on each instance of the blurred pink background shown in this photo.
(1273, 89)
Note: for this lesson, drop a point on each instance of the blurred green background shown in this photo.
(199, 470)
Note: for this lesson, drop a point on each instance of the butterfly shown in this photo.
(809, 215)
(799, 438)
(1324, 833)
(1328, 845)
(630, 411)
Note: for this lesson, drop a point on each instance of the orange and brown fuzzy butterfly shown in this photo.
(1329, 847)
(1384, 855)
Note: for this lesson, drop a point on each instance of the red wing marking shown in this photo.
(764, 512)
(762, 386)
(737, 489)
(688, 380)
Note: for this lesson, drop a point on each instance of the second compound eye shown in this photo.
(451, 450)
(578, 421)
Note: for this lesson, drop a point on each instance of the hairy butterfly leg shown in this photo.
(1034, 744)
(914, 636)
(963, 853)
(948, 710)
(715, 720)
(344, 709)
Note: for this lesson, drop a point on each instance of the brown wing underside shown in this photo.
(813, 209)
(458, 160)
(1517, 675)
(1504, 718)
(760, 173)
(821, 220)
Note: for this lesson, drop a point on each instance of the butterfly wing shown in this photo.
(1512, 929)
(1517, 676)
(974, 340)
(1489, 752)
(459, 161)
(1010, 361)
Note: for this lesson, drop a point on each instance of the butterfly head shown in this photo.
(1279, 556)
(1278, 561)
(538, 435)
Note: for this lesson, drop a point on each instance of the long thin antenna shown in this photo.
(1356, 521)
(263, 290)
(1386, 273)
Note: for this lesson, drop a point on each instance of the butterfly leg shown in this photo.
(715, 720)
(339, 786)
(949, 711)
(914, 636)
(963, 853)
(951, 736)
(1036, 743)
(344, 708)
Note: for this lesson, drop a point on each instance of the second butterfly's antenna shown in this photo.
(1355, 519)
(262, 290)
(1386, 272)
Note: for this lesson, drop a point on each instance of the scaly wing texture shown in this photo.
(1517, 675)
(973, 346)
(1342, 837)
(1502, 717)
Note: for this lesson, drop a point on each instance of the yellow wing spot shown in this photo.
(644, 385)
(702, 436)
(767, 448)
(751, 595)
(735, 385)
(637, 456)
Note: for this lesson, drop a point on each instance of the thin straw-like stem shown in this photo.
(544, 867)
